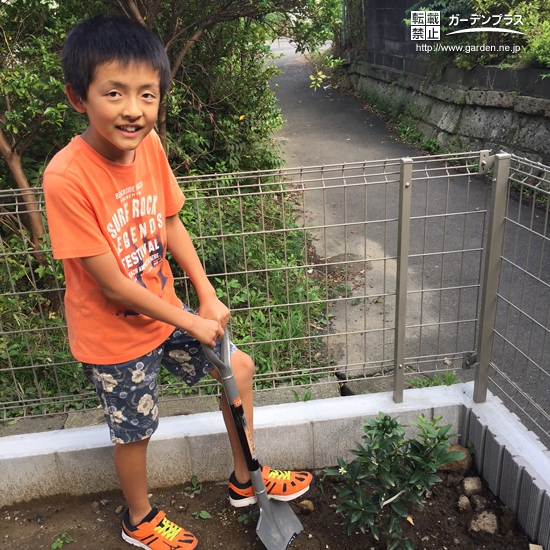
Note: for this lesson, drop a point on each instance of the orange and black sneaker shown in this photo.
(156, 532)
(279, 485)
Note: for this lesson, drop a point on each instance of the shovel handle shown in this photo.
(223, 364)
(278, 526)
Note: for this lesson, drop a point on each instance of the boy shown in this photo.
(112, 205)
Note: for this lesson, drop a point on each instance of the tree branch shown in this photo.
(8, 105)
(30, 137)
(183, 52)
(135, 12)
(13, 160)
(9, 220)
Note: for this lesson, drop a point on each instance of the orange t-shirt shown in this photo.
(95, 206)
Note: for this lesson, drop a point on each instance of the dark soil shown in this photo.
(94, 522)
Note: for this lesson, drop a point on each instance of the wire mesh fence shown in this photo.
(310, 261)
(520, 360)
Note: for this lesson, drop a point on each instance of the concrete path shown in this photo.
(324, 126)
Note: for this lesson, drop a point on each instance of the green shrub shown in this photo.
(538, 46)
(389, 474)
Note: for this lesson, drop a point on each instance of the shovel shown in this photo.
(278, 525)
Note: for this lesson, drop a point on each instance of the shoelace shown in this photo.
(280, 474)
(168, 529)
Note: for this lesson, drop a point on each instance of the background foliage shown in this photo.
(220, 116)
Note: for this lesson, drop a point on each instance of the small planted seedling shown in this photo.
(203, 514)
(248, 517)
(62, 539)
(195, 488)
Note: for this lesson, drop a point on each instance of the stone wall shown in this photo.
(485, 108)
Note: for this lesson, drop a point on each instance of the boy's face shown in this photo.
(122, 107)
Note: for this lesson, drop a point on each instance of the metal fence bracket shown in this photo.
(469, 360)
(486, 162)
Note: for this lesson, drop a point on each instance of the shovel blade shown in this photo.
(278, 525)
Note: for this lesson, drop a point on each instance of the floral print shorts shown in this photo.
(129, 392)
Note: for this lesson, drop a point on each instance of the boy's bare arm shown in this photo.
(118, 288)
(183, 251)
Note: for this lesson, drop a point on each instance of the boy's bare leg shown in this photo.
(243, 370)
(131, 468)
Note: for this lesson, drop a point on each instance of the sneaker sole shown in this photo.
(252, 500)
(242, 502)
(135, 542)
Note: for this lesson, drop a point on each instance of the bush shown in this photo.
(538, 46)
(389, 474)
(221, 112)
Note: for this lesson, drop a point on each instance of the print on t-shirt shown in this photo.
(135, 230)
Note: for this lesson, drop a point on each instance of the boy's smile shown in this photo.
(122, 107)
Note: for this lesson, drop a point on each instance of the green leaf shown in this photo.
(394, 526)
(399, 508)
(386, 479)
(353, 504)
(375, 532)
(414, 479)
(432, 478)
(451, 456)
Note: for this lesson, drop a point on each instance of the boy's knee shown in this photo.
(243, 367)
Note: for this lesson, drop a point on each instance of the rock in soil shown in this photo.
(464, 504)
(472, 486)
(484, 522)
(458, 467)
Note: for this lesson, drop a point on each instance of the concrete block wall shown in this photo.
(514, 464)
(309, 435)
(544, 530)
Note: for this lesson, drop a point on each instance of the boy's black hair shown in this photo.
(104, 38)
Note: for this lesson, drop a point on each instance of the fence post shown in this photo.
(403, 236)
(491, 275)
